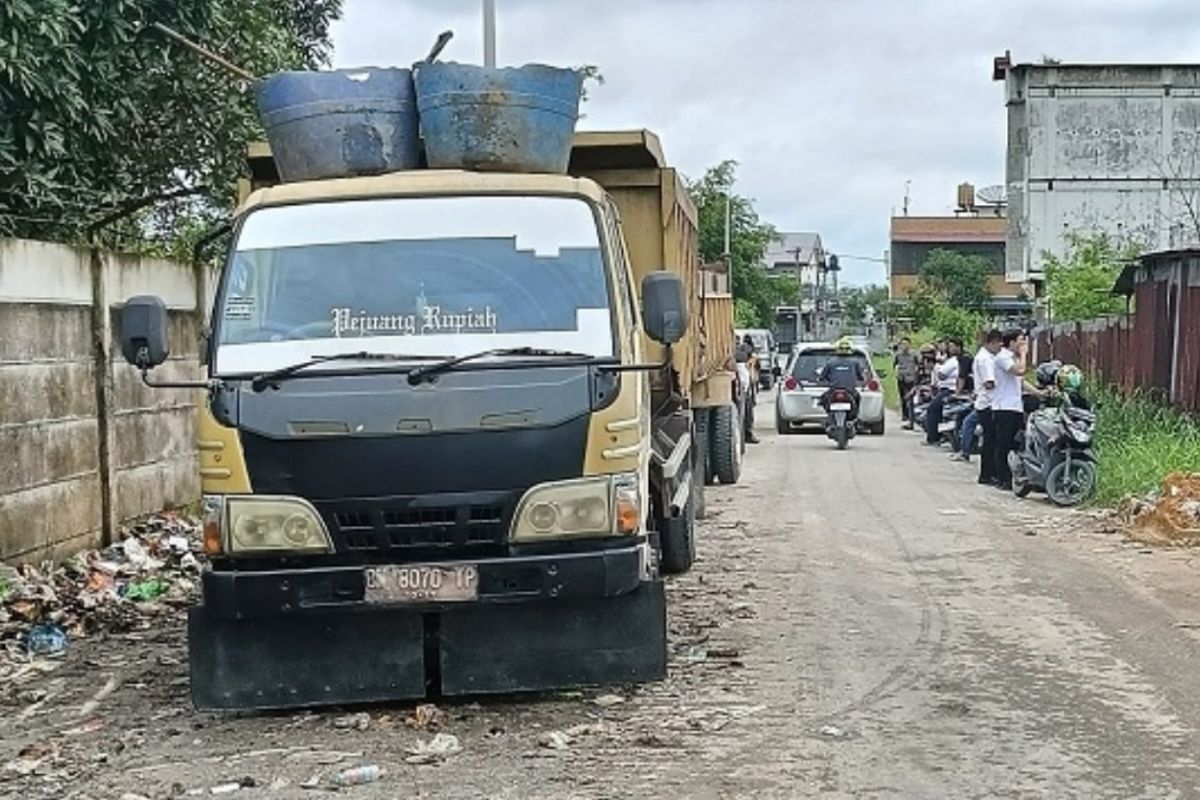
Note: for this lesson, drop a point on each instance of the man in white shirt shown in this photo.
(984, 370)
(1008, 411)
(945, 377)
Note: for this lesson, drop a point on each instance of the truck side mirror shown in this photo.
(144, 331)
(664, 307)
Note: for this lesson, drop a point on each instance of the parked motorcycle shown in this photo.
(1054, 453)
(841, 420)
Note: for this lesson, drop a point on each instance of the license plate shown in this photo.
(839, 406)
(396, 583)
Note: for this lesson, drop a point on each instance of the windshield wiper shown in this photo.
(265, 379)
(424, 373)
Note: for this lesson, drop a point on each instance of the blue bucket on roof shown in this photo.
(511, 119)
(340, 123)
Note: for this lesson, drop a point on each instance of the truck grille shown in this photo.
(391, 524)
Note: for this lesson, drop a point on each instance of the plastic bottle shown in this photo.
(356, 775)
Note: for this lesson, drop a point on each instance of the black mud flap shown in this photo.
(555, 644)
(305, 660)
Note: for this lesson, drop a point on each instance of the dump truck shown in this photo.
(458, 426)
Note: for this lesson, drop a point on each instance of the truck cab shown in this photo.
(449, 443)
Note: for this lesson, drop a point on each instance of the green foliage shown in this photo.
(757, 293)
(1079, 286)
(950, 322)
(857, 299)
(891, 389)
(103, 114)
(1138, 443)
(957, 279)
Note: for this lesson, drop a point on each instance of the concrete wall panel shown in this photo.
(46, 391)
(51, 520)
(86, 444)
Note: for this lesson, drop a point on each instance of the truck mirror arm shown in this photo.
(666, 362)
(144, 367)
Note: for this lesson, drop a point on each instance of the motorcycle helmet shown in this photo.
(1047, 373)
(1069, 378)
(844, 347)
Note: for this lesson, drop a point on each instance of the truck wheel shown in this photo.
(678, 538)
(699, 462)
(702, 421)
(725, 437)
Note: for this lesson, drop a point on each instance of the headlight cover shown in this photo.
(607, 505)
(273, 525)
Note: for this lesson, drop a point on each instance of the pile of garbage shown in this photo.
(1168, 516)
(154, 567)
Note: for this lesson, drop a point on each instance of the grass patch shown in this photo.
(891, 391)
(1138, 443)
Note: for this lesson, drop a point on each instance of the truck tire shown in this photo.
(678, 538)
(699, 458)
(725, 439)
(702, 425)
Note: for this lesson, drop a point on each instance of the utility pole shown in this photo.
(489, 33)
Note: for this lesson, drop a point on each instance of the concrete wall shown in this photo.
(1100, 148)
(86, 445)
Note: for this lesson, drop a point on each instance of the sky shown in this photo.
(830, 107)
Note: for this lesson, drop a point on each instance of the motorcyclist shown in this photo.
(843, 371)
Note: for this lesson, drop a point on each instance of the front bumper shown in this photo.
(304, 637)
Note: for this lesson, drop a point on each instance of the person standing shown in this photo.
(905, 364)
(746, 357)
(946, 376)
(965, 426)
(983, 368)
(1008, 411)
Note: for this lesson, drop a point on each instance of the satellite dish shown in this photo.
(991, 195)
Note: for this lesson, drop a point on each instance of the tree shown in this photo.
(757, 293)
(957, 279)
(1079, 286)
(106, 118)
(857, 299)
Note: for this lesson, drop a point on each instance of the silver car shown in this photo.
(798, 401)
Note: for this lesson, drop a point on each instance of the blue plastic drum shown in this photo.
(340, 123)
(513, 119)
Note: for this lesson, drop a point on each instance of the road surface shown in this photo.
(861, 624)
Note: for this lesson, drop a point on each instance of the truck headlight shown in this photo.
(588, 507)
(274, 524)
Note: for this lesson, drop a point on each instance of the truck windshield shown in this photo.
(439, 276)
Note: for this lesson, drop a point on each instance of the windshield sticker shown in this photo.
(431, 320)
(239, 308)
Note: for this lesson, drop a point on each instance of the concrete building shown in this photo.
(1096, 147)
(983, 234)
(795, 251)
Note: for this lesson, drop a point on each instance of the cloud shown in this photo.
(829, 107)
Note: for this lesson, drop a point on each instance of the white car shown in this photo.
(798, 401)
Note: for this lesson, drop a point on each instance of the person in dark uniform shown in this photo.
(843, 371)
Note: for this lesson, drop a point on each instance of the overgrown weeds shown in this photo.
(1138, 442)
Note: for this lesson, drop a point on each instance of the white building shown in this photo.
(1099, 148)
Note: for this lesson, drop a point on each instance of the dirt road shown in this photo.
(862, 624)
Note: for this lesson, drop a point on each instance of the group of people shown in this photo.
(993, 378)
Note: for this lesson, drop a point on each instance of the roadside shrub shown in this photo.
(1138, 442)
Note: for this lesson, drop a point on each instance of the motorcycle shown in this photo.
(1054, 454)
(841, 421)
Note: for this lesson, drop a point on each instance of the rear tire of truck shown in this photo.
(725, 452)
(699, 458)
